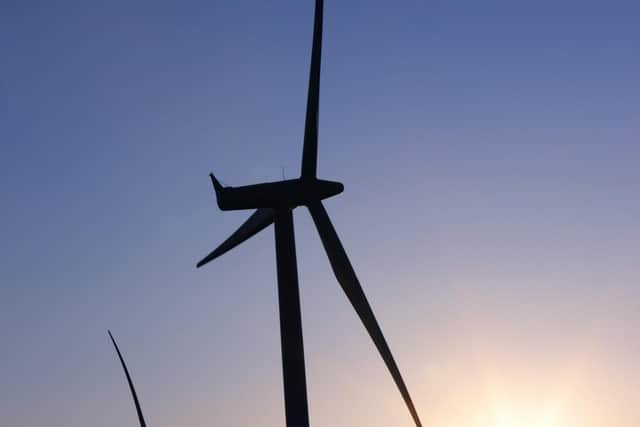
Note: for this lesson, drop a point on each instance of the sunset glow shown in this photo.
(490, 157)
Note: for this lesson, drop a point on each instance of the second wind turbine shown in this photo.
(273, 203)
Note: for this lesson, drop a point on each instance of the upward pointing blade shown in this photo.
(133, 390)
(351, 286)
(310, 149)
(258, 221)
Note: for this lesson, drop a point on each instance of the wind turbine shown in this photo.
(273, 203)
(131, 387)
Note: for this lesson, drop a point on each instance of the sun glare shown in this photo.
(509, 416)
(524, 407)
(506, 394)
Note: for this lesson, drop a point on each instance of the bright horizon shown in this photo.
(490, 161)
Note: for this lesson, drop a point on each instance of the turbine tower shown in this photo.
(273, 203)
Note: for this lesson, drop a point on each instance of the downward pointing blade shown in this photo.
(351, 286)
(258, 221)
(133, 390)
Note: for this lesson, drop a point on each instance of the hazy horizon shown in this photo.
(491, 211)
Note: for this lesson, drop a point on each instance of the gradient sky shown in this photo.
(490, 155)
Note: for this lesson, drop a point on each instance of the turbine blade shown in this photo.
(310, 149)
(351, 286)
(133, 390)
(258, 221)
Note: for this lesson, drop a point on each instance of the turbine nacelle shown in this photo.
(281, 194)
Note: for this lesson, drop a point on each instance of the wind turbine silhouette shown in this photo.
(131, 387)
(274, 202)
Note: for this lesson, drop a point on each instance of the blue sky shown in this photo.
(491, 209)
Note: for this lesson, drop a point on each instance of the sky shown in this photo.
(489, 152)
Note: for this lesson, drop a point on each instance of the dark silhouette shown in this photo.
(274, 203)
(131, 387)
